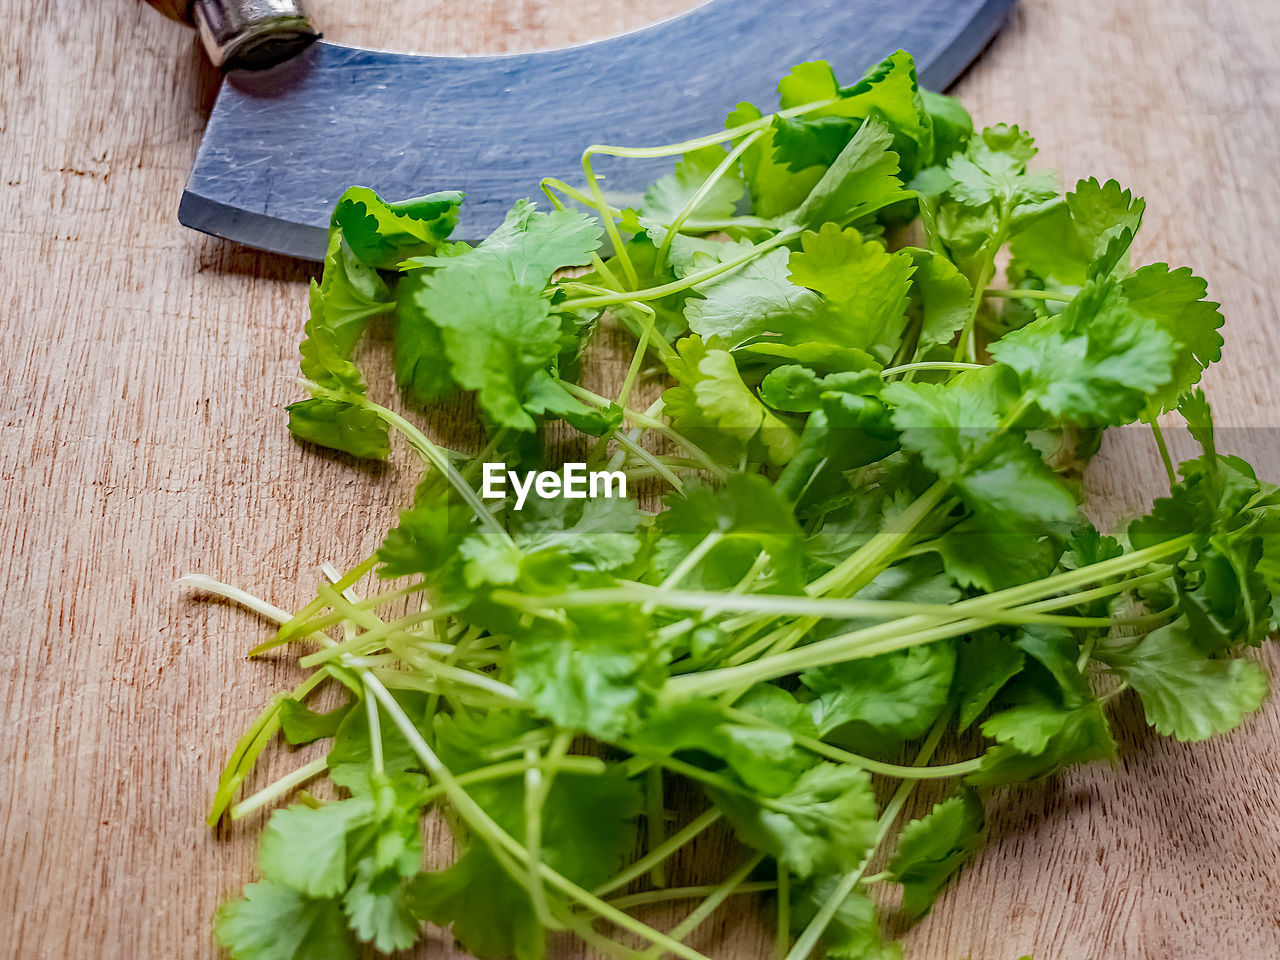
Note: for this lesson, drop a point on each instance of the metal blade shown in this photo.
(283, 144)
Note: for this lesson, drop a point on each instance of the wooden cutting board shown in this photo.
(144, 368)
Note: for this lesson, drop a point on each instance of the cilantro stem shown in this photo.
(278, 789)
(812, 933)
(610, 225)
(659, 854)
(707, 140)
(1164, 454)
(499, 840)
(536, 787)
(708, 906)
(375, 732)
(649, 421)
(730, 160)
(687, 893)
(655, 822)
(1052, 295)
(774, 603)
(710, 273)
(814, 745)
(930, 365)
(911, 631)
(433, 455)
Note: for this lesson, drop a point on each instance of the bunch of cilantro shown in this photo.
(870, 552)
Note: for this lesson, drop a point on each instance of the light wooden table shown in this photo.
(144, 368)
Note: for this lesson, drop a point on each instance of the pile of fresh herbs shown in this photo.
(869, 553)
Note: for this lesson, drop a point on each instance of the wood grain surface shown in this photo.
(144, 371)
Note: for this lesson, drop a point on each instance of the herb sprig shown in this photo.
(870, 541)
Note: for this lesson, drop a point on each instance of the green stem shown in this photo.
(484, 827)
(1164, 454)
(278, 789)
(708, 906)
(661, 852)
(1050, 295)
(729, 161)
(812, 933)
(686, 893)
(931, 365)
(675, 286)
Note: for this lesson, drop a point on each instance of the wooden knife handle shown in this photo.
(174, 9)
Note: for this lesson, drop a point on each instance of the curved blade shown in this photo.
(282, 145)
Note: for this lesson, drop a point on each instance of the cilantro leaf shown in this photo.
(860, 181)
(748, 302)
(496, 326)
(593, 672)
(854, 931)
(864, 289)
(1174, 300)
(825, 823)
(985, 662)
(956, 429)
(667, 196)
(993, 169)
(1084, 237)
(930, 850)
(896, 696)
(714, 408)
(378, 910)
(306, 847)
(1186, 694)
(774, 189)
(1095, 363)
(383, 234)
(276, 922)
(1039, 738)
(303, 725)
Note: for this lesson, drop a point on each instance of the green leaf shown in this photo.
(825, 823)
(750, 301)
(854, 931)
(747, 516)
(985, 662)
(603, 532)
(895, 695)
(713, 407)
(339, 425)
(864, 289)
(306, 847)
(1174, 300)
(763, 758)
(667, 196)
(499, 923)
(594, 672)
(275, 922)
(422, 368)
(1039, 738)
(303, 725)
(889, 92)
(861, 180)
(1096, 363)
(773, 187)
(940, 299)
(1184, 693)
(383, 234)
(379, 911)
(930, 850)
(1081, 238)
(993, 169)
(956, 428)
(497, 327)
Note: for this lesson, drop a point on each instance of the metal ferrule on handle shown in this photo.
(253, 34)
